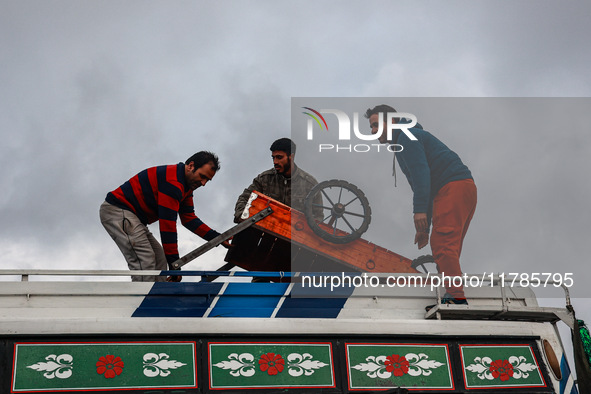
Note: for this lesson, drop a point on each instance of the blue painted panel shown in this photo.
(327, 308)
(249, 300)
(262, 289)
(235, 311)
(178, 300)
(169, 312)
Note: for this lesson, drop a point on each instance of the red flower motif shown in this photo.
(396, 364)
(110, 366)
(272, 363)
(502, 368)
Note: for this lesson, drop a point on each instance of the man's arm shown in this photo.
(192, 223)
(419, 175)
(196, 225)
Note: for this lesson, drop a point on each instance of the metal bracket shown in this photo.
(567, 317)
(221, 238)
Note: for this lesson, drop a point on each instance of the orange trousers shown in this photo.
(453, 208)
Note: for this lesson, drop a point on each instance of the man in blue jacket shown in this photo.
(443, 192)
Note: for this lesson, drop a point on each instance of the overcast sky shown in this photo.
(93, 92)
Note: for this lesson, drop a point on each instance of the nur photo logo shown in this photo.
(316, 119)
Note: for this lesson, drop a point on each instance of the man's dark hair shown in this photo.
(284, 144)
(199, 159)
(377, 109)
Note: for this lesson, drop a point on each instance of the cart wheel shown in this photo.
(420, 262)
(346, 213)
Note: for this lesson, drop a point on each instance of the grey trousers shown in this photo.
(139, 247)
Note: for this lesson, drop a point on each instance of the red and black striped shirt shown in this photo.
(160, 193)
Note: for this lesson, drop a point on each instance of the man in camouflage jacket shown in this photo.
(286, 182)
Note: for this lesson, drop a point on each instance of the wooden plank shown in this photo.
(290, 225)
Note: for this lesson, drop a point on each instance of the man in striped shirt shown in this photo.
(158, 194)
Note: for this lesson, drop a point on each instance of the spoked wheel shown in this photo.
(346, 213)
